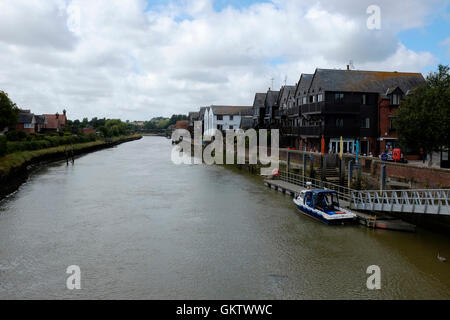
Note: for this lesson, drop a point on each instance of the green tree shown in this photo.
(8, 111)
(423, 119)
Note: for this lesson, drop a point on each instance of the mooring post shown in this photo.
(304, 167)
(288, 161)
(66, 154)
(73, 156)
(383, 177)
(350, 173)
(341, 171)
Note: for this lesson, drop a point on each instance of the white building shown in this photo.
(222, 118)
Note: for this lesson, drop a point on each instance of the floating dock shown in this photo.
(378, 221)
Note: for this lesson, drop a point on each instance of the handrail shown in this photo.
(344, 193)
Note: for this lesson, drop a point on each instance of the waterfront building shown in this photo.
(223, 118)
(347, 103)
(258, 109)
(270, 106)
(285, 100)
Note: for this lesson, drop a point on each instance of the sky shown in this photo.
(138, 59)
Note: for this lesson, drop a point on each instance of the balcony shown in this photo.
(328, 108)
(290, 131)
(311, 131)
(293, 112)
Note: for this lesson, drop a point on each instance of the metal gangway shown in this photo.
(425, 201)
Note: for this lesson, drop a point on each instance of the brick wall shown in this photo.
(420, 177)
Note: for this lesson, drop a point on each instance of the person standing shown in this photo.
(422, 155)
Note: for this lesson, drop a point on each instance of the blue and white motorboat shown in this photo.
(323, 205)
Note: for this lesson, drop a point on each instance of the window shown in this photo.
(231, 118)
(339, 98)
(391, 124)
(219, 127)
(339, 123)
(364, 99)
(220, 117)
(395, 99)
(28, 126)
(311, 99)
(365, 123)
(320, 98)
(304, 100)
(314, 99)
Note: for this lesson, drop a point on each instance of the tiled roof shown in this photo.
(25, 117)
(259, 100)
(229, 110)
(246, 123)
(271, 97)
(364, 81)
(303, 84)
(54, 121)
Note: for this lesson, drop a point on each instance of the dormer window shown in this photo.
(395, 99)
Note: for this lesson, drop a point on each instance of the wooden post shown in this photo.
(341, 171)
(350, 173)
(304, 167)
(288, 161)
(383, 177)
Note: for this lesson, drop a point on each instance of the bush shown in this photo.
(16, 135)
(2, 145)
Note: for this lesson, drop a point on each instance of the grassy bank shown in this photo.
(18, 159)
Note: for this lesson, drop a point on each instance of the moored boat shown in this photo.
(323, 205)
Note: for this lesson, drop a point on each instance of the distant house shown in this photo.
(192, 118)
(183, 124)
(87, 131)
(246, 118)
(26, 122)
(40, 124)
(258, 109)
(270, 105)
(201, 117)
(56, 122)
(139, 123)
(223, 118)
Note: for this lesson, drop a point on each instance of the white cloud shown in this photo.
(115, 59)
(446, 43)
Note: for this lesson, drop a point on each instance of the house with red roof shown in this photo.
(56, 122)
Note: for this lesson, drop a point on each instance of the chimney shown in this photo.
(64, 112)
(57, 115)
(348, 67)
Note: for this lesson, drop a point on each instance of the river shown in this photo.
(140, 227)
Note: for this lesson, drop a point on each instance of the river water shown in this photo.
(140, 227)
